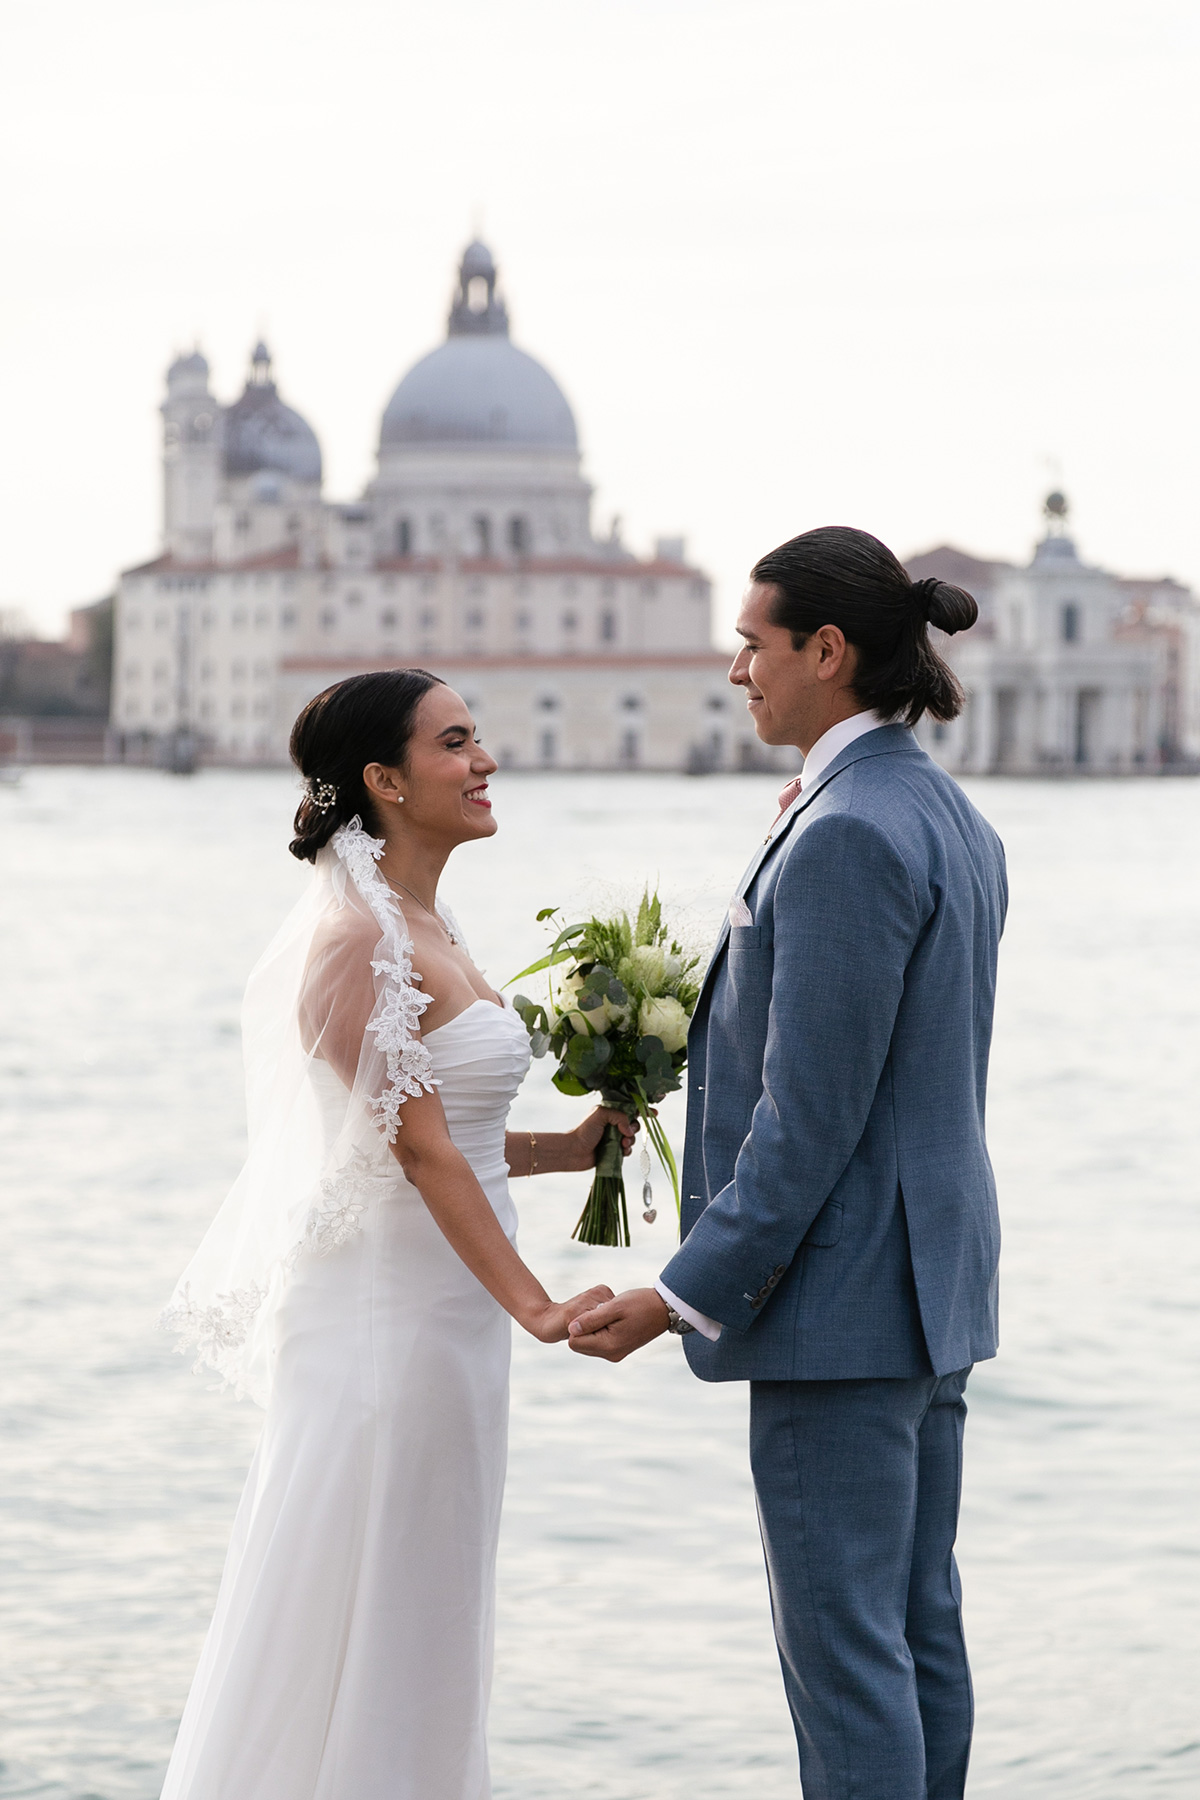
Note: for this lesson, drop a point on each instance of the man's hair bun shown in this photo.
(943, 606)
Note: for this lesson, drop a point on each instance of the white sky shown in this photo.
(798, 263)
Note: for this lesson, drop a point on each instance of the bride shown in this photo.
(358, 1283)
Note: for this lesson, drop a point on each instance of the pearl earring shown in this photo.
(399, 799)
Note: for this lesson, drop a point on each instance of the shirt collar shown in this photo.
(832, 742)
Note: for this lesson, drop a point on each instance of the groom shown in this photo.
(840, 1234)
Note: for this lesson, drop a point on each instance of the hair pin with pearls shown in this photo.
(322, 794)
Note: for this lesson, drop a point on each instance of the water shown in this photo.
(635, 1655)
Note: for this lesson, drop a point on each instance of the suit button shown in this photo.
(756, 1302)
(781, 1268)
(772, 1281)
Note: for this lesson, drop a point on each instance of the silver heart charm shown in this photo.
(650, 1214)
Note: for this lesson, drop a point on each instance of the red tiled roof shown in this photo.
(349, 665)
(287, 557)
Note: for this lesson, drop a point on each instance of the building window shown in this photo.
(387, 620)
(238, 618)
(293, 525)
(206, 619)
(428, 620)
(242, 522)
(262, 618)
(547, 703)
(569, 621)
(518, 535)
(354, 599)
(715, 703)
(481, 526)
(630, 749)
(548, 748)
(287, 618)
(328, 619)
(1070, 623)
(522, 621)
(404, 537)
(237, 671)
(608, 627)
(649, 590)
(631, 703)
(474, 621)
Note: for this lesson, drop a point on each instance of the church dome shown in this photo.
(262, 433)
(477, 387)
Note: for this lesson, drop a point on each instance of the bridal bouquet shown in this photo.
(617, 1024)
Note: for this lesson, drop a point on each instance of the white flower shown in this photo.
(651, 967)
(664, 1019)
(588, 1020)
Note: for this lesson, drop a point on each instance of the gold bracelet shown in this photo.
(532, 1153)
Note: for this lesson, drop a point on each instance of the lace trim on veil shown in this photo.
(219, 1329)
(409, 1064)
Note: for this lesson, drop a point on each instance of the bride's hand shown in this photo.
(586, 1137)
(549, 1324)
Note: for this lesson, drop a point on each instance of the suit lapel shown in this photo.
(885, 740)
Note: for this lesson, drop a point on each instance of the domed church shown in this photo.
(471, 552)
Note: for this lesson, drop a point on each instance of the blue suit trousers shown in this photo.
(858, 1486)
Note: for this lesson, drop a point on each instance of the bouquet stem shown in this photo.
(604, 1219)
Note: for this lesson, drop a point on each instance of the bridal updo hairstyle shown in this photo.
(367, 719)
(839, 576)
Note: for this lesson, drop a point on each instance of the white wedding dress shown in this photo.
(350, 1654)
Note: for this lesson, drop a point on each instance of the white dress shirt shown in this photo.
(831, 743)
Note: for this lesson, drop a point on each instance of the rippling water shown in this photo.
(635, 1659)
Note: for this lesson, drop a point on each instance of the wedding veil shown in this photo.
(335, 985)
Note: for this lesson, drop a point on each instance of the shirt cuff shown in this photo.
(708, 1328)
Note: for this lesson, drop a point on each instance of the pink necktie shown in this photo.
(786, 796)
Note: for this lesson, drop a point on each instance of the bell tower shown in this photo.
(191, 460)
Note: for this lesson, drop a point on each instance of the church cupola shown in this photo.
(262, 433)
(477, 310)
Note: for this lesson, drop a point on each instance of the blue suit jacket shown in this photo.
(839, 1209)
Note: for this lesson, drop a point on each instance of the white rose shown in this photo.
(664, 1019)
(593, 1020)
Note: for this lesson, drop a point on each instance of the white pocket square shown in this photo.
(739, 912)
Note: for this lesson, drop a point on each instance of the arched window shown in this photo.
(1070, 623)
(482, 526)
(518, 535)
(404, 537)
(608, 627)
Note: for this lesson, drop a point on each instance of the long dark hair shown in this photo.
(839, 576)
(367, 719)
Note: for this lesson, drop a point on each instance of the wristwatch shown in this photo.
(675, 1322)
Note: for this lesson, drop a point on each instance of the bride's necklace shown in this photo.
(433, 915)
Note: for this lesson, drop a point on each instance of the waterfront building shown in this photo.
(471, 552)
(1070, 669)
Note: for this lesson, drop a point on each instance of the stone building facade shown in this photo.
(1070, 669)
(471, 552)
